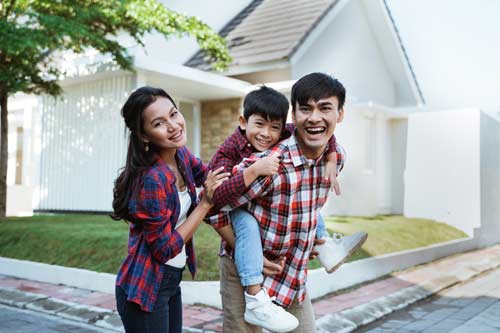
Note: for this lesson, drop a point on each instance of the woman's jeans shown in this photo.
(167, 313)
(248, 248)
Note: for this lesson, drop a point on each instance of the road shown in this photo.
(471, 307)
(14, 320)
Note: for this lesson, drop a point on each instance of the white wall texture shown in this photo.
(348, 50)
(443, 170)
(451, 45)
(367, 179)
(82, 145)
(490, 180)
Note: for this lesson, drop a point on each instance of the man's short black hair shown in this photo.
(317, 86)
(266, 102)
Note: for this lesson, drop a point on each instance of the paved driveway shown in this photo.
(471, 307)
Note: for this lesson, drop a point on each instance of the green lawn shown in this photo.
(98, 243)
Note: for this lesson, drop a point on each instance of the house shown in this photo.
(70, 158)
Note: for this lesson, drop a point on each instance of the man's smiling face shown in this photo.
(316, 122)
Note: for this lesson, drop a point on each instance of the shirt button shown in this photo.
(249, 145)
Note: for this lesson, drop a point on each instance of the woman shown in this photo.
(156, 193)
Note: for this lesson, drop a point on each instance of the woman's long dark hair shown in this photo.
(138, 159)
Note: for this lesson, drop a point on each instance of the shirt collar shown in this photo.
(241, 139)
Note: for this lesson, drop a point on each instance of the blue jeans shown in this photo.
(321, 228)
(249, 244)
(167, 313)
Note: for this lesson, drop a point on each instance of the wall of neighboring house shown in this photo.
(20, 158)
(219, 119)
(83, 145)
(347, 49)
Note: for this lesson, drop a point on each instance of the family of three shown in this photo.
(263, 190)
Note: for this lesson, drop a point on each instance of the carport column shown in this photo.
(382, 163)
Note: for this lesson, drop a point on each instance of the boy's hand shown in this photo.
(267, 166)
(272, 268)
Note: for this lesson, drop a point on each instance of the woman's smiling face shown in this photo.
(164, 125)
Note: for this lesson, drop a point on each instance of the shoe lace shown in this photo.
(337, 237)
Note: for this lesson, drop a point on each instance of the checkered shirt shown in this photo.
(286, 206)
(234, 149)
(153, 240)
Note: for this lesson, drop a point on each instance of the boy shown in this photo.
(261, 127)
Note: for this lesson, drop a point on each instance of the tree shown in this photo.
(34, 32)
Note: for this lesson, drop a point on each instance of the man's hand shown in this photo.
(272, 268)
(314, 254)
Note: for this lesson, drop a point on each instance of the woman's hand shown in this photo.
(214, 179)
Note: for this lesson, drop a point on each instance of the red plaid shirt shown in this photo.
(286, 206)
(153, 240)
(234, 149)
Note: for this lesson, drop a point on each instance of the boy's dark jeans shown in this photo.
(167, 313)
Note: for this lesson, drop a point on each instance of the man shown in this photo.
(287, 206)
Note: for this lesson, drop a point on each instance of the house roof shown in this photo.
(268, 30)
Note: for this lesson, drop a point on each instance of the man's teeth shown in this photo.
(315, 130)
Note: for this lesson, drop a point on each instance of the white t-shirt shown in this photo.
(179, 260)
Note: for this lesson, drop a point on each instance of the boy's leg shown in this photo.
(321, 231)
(248, 255)
(305, 314)
(233, 299)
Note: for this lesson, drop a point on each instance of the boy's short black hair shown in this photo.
(316, 86)
(266, 102)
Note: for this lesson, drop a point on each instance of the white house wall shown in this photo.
(442, 180)
(366, 179)
(82, 145)
(451, 45)
(490, 180)
(348, 50)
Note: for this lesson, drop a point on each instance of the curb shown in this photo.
(350, 319)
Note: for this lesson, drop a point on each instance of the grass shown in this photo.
(98, 243)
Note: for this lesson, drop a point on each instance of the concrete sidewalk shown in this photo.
(338, 312)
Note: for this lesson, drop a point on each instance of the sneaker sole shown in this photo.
(259, 324)
(351, 252)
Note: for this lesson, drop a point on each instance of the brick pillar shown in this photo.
(218, 120)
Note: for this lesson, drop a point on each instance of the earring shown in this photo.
(146, 146)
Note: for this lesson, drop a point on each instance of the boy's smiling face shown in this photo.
(262, 133)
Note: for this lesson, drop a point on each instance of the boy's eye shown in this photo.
(276, 128)
(258, 123)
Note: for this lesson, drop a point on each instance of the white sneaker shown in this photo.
(337, 249)
(261, 311)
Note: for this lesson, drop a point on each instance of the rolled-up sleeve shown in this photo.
(153, 208)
